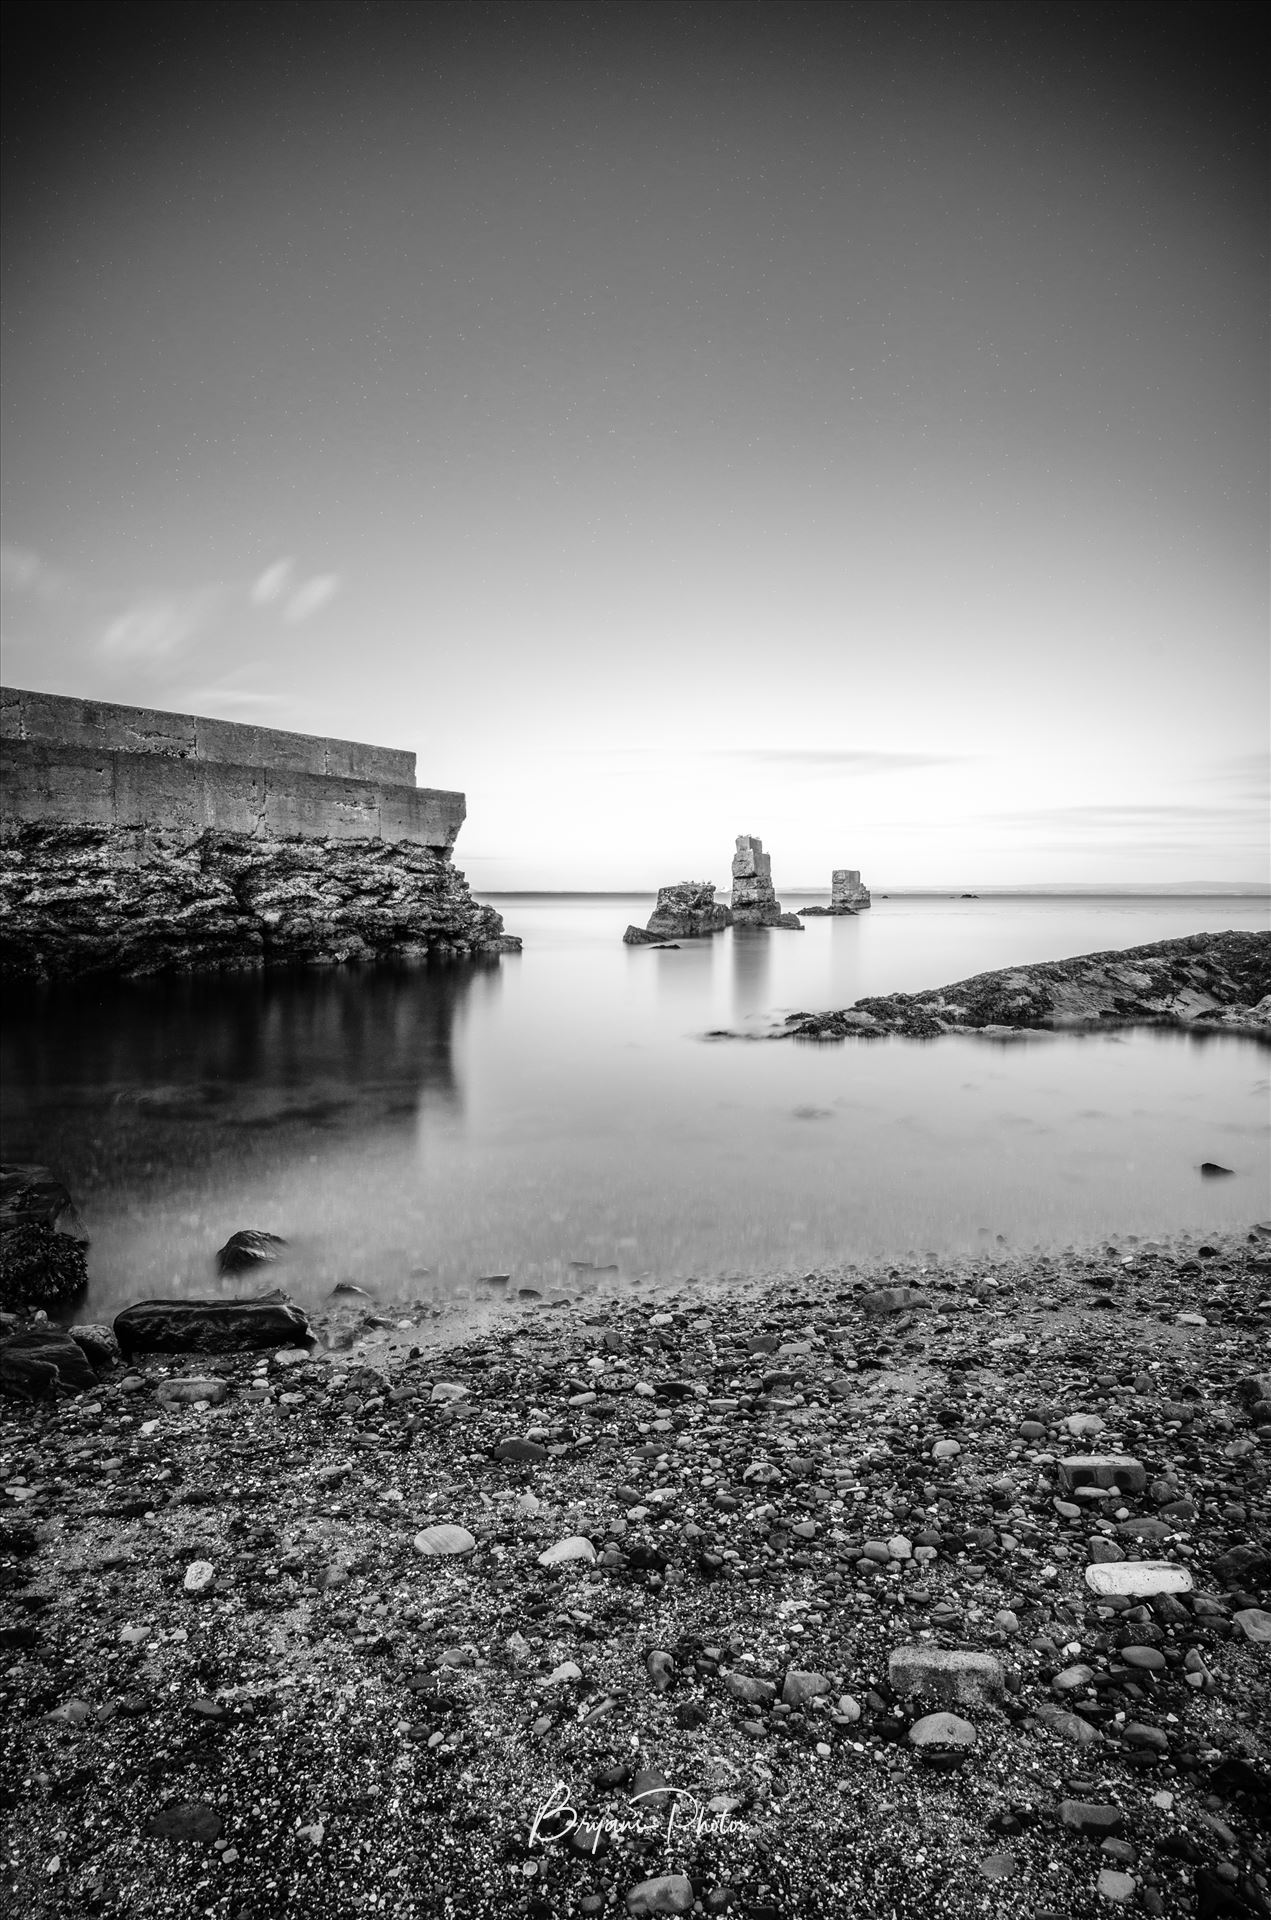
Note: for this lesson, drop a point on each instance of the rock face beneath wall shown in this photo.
(79, 901)
(847, 895)
(682, 912)
(754, 902)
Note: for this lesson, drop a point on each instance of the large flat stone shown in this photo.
(211, 1326)
(1138, 1578)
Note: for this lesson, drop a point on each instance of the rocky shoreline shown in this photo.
(794, 1597)
(1206, 980)
(81, 902)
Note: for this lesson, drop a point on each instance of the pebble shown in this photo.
(199, 1576)
(669, 1893)
(576, 1547)
(1139, 1579)
(444, 1540)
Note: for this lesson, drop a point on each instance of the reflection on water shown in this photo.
(752, 954)
(561, 1112)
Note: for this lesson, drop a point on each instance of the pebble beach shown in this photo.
(939, 1588)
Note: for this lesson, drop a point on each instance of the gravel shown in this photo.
(733, 1557)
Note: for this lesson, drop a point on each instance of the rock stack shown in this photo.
(847, 895)
(755, 904)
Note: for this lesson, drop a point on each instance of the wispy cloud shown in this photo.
(850, 761)
(159, 625)
(279, 586)
(199, 699)
(273, 584)
(23, 571)
(312, 597)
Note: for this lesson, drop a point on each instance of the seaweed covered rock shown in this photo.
(43, 1244)
(1205, 979)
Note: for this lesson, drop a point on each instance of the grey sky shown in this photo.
(846, 424)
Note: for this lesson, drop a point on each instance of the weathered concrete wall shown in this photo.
(140, 768)
(101, 724)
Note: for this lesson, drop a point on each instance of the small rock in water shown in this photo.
(247, 1249)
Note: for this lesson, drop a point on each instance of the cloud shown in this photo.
(273, 583)
(277, 586)
(160, 624)
(846, 760)
(312, 597)
(23, 571)
(851, 761)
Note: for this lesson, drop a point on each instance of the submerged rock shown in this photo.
(210, 1326)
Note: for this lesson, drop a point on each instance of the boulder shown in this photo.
(248, 1249)
(640, 937)
(211, 1326)
(44, 1361)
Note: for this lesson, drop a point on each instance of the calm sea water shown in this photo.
(415, 1131)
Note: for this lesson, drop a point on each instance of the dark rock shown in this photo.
(514, 1448)
(190, 1820)
(639, 937)
(99, 1345)
(44, 1361)
(32, 1194)
(248, 1249)
(1212, 1170)
(42, 1240)
(211, 1326)
(40, 1267)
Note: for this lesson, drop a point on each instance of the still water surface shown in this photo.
(415, 1131)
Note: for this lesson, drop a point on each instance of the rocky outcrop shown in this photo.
(42, 1240)
(683, 911)
(79, 901)
(1205, 980)
(211, 1326)
(755, 904)
(248, 1249)
(847, 895)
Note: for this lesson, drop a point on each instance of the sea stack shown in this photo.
(754, 902)
(847, 895)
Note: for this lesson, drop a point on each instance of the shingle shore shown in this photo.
(235, 1685)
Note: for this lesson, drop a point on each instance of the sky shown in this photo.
(845, 424)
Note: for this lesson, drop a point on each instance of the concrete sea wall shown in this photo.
(92, 763)
(135, 842)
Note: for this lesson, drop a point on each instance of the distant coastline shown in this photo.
(1197, 890)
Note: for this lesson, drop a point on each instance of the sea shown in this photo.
(563, 1121)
